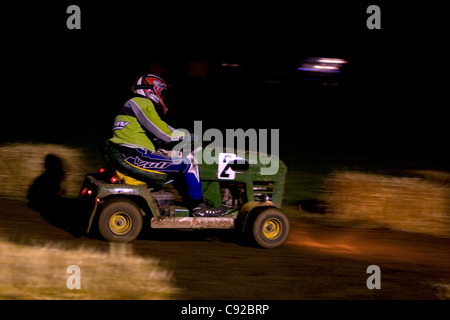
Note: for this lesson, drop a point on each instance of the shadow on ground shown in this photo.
(45, 197)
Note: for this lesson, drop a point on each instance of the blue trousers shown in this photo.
(161, 161)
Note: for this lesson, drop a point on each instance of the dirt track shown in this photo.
(319, 261)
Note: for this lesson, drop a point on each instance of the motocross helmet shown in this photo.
(153, 88)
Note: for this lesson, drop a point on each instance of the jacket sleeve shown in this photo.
(149, 119)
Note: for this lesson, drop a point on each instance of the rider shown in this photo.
(138, 125)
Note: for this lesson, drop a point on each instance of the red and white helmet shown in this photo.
(152, 87)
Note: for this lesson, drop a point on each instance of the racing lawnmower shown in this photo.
(118, 207)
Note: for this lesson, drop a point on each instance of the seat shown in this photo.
(113, 157)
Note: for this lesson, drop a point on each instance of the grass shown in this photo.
(40, 272)
(22, 163)
(403, 203)
(393, 191)
(29, 272)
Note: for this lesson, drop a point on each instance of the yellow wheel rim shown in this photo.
(272, 228)
(120, 223)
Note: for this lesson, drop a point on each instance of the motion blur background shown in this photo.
(233, 66)
(363, 131)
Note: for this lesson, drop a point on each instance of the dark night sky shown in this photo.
(394, 90)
